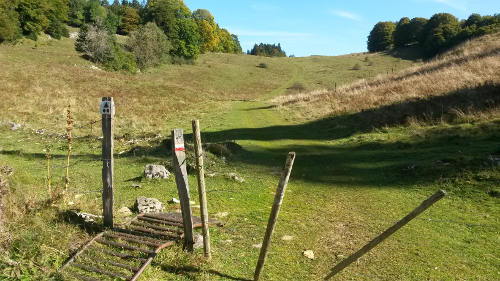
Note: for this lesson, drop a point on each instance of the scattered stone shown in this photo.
(148, 205)
(235, 177)
(228, 241)
(136, 185)
(15, 126)
(93, 67)
(287, 238)
(174, 201)
(71, 203)
(339, 256)
(308, 254)
(124, 212)
(88, 218)
(73, 35)
(198, 241)
(210, 175)
(41, 131)
(222, 214)
(6, 170)
(156, 172)
(258, 246)
(78, 196)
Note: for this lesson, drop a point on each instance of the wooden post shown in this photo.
(181, 180)
(278, 199)
(422, 207)
(108, 113)
(201, 187)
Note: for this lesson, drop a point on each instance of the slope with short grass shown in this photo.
(354, 175)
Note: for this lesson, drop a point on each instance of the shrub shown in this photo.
(357, 66)
(121, 60)
(95, 43)
(99, 46)
(149, 45)
(262, 65)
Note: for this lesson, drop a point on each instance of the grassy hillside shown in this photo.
(354, 176)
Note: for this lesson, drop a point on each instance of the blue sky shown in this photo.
(325, 27)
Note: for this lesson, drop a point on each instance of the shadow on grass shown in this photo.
(191, 269)
(448, 107)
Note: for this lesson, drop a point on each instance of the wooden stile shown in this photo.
(181, 180)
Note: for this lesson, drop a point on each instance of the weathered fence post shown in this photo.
(108, 112)
(422, 207)
(278, 199)
(201, 187)
(181, 180)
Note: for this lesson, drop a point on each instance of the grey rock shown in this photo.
(156, 172)
(198, 241)
(235, 177)
(41, 131)
(88, 218)
(148, 205)
(174, 201)
(15, 126)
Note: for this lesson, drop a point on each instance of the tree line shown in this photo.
(188, 33)
(435, 35)
(267, 50)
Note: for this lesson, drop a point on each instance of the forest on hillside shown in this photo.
(183, 36)
(433, 36)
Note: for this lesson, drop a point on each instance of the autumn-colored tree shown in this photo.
(207, 28)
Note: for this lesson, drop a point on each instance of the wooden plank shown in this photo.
(157, 227)
(422, 207)
(181, 180)
(155, 232)
(124, 246)
(107, 261)
(162, 222)
(201, 188)
(107, 112)
(117, 254)
(278, 200)
(132, 239)
(101, 271)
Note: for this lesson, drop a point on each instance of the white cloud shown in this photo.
(346, 15)
(456, 4)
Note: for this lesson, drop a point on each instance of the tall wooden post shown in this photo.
(201, 187)
(108, 112)
(181, 180)
(278, 199)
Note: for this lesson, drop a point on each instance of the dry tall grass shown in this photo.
(464, 81)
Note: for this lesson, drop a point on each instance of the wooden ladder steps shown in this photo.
(124, 252)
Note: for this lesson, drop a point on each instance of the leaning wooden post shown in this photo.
(108, 112)
(278, 199)
(422, 207)
(181, 180)
(201, 187)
